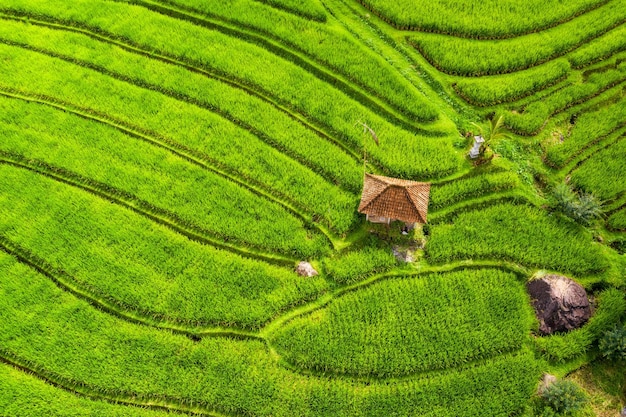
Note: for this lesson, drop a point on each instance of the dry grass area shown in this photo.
(605, 383)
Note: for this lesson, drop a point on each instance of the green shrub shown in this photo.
(583, 207)
(564, 397)
(613, 343)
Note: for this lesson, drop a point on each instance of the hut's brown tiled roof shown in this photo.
(394, 198)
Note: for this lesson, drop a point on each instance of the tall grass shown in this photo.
(141, 265)
(479, 18)
(604, 173)
(406, 326)
(589, 128)
(24, 395)
(618, 220)
(308, 8)
(471, 57)
(521, 234)
(328, 45)
(200, 198)
(213, 137)
(259, 70)
(498, 89)
(534, 116)
(357, 265)
(600, 48)
(55, 333)
(472, 187)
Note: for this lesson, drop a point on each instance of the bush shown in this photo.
(613, 343)
(564, 397)
(583, 208)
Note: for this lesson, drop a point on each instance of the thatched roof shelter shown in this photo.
(386, 199)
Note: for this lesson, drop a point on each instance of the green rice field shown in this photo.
(165, 165)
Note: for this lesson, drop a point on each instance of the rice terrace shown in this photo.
(313, 208)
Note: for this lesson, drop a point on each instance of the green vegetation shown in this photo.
(583, 208)
(404, 326)
(305, 8)
(137, 264)
(618, 220)
(564, 397)
(604, 173)
(166, 164)
(356, 265)
(480, 18)
(534, 115)
(471, 187)
(23, 395)
(497, 89)
(91, 351)
(589, 128)
(613, 344)
(330, 47)
(328, 108)
(470, 57)
(34, 134)
(517, 233)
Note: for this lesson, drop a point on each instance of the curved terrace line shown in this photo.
(184, 98)
(152, 402)
(156, 214)
(351, 88)
(327, 298)
(187, 154)
(108, 305)
(309, 122)
(415, 43)
(535, 29)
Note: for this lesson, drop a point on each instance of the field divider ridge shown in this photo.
(194, 102)
(113, 396)
(181, 151)
(369, 98)
(308, 121)
(418, 270)
(116, 308)
(141, 207)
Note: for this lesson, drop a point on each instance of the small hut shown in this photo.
(387, 199)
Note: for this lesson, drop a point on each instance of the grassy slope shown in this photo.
(319, 109)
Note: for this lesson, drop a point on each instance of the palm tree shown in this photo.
(495, 132)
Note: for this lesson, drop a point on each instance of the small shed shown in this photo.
(386, 199)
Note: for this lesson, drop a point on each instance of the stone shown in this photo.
(305, 269)
(623, 413)
(546, 381)
(560, 303)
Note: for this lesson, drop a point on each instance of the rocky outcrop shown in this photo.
(560, 303)
(305, 269)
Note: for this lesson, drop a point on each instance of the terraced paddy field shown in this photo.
(166, 164)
